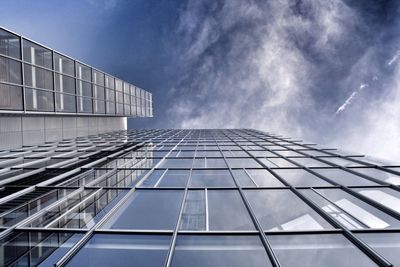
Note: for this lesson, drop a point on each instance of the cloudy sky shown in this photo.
(323, 71)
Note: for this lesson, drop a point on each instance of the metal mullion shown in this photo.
(159, 180)
(268, 248)
(381, 261)
(251, 178)
(207, 213)
(171, 249)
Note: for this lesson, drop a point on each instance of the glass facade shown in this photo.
(193, 198)
(37, 80)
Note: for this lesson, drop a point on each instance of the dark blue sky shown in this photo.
(326, 71)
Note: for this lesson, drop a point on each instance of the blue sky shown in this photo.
(326, 71)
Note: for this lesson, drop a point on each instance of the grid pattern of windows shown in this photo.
(36, 79)
(208, 197)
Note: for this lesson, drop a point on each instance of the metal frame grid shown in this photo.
(71, 190)
(134, 102)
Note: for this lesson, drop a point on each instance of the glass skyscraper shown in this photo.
(196, 198)
(79, 189)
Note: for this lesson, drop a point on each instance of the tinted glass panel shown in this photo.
(328, 250)
(386, 244)
(37, 55)
(233, 251)
(148, 209)
(274, 210)
(227, 211)
(118, 250)
(10, 71)
(343, 177)
(300, 177)
(211, 178)
(10, 44)
(11, 97)
(351, 211)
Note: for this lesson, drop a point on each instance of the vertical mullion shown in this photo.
(271, 254)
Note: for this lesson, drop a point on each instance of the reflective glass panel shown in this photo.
(10, 44)
(328, 250)
(274, 210)
(352, 212)
(221, 250)
(148, 209)
(227, 211)
(386, 244)
(122, 250)
(343, 177)
(300, 177)
(380, 175)
(211, 178)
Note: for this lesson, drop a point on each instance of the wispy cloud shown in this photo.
(280, 66)
(350, 99)
(394, 58)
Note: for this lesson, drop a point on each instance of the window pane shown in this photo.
(242, 178)
(385, 196)
(243, 163)
(194, 212)
(343, 177)
(39, 100)
(211, 178)
(98, 77)
(83, 72)
(31, 248)
(227, 211)
(84, 88)
(63, 64)
(84, 104)
(300, 177)
(380, 175)
(64, 84)
(274, 209)
(153, 178)
(99, 106)
(10, 44)
(148, 209)
(11, 97)
(280, 162)
(351, 211)
(264, 178)
(328, 250)
(386, 244)
(10, 71)
(174, 178)
(38, 77)
(37, 55)
(109, 82)
(309, 162)
(119, 250)
(176, 163)
(65, 103)
(232, 251)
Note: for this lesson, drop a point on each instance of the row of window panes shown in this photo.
(325, 249)
(224, 210)
(41, 77)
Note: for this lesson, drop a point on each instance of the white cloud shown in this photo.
(246, 67)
